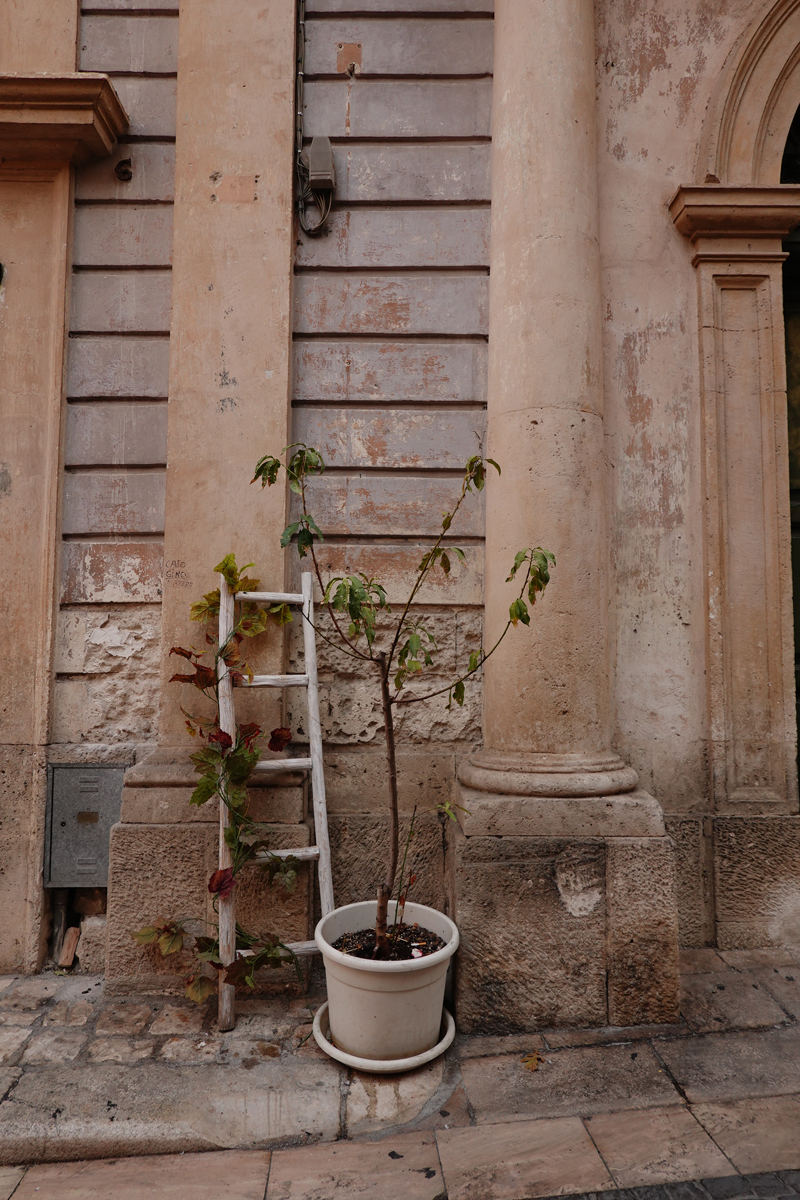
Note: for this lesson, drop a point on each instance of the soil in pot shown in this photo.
(411, 941)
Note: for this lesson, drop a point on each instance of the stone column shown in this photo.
(547, 770)
(230, 348)
(547, 696)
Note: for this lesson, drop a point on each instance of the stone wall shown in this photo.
(106, 695)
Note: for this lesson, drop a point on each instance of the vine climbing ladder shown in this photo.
(320, 852)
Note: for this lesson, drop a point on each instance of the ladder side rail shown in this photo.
(315, 740)
(227, 722)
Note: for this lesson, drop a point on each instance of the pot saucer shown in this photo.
(385, 1066)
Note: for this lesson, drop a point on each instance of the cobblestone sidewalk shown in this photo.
(714, 1099)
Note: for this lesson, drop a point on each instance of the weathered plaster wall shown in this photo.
(657, 65)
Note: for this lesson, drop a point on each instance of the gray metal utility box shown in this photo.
(83, 802)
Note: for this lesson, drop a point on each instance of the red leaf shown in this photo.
(182, 679)
(221, 738)
(222, 882)
(183, 653)
(236, 972)
(206, 677)
(279, 739)
(248, 733)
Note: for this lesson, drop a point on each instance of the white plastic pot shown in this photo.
(384, 1010)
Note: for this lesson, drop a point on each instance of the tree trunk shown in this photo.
(387, 887)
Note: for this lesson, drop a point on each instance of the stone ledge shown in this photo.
(634, 814)
(74, 116)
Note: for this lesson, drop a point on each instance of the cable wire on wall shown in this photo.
(307, 196)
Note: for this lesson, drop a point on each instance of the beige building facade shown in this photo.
(562, 234)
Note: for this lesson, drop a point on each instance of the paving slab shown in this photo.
(123, 1019)
(191, 1050)
(9, 1178)
(172, 1020)
(376, 1102)
(19, 1018)
(721, 1000)
(659, 1145)
(405, 1167)
(732, 1066)
(527, 1158)
(12, 1039)
(485, 1047)
(59, 1046)
(580, 1081)
(36, 987)
(236, 1176)
(121, 1050)
(784, 984)
(103, 1110)
(64, 1013)
(701, 960)
(761, 1134)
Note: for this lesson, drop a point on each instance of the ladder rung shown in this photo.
(271, 597)
(283, 764)
(303, 947)
(304, 852)
(276, 681)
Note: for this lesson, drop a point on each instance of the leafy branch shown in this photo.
(358, 599)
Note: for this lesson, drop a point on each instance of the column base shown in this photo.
(599, 774)
(567, 907)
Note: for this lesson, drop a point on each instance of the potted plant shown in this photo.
(386, 958)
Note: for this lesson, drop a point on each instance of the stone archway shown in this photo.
(754, 103)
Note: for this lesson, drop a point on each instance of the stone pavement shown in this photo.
(654, 1111)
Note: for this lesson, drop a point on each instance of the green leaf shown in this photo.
(282, 614)
(267, 469)
(519, 559)
(474, 659)
(458, 692)
(206, 760)
(229, 571)
(207, 608)
(445, 563)
(289, 533)
(253, 621)
(305, 540)
(518, 611)
(206, 788)
(146, 936)
(170, 942)
(495, 465)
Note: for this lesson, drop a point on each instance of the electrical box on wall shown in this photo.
(83, 802)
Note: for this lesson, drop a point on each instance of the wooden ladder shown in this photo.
(321, 851)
